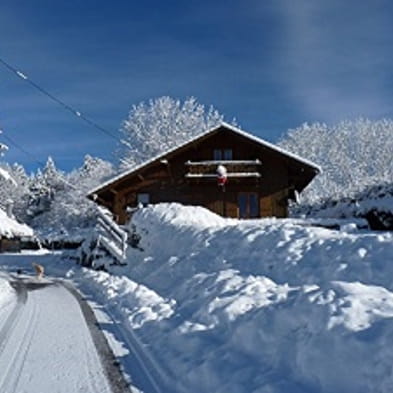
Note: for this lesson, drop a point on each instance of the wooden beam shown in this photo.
(137, 186)
(101, 201)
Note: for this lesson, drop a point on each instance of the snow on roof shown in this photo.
(206, 132)
(11, 228)
(271, 146)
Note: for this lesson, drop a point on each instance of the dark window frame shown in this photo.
(223, 154)
(248, 204)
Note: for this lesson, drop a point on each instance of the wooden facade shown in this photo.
(261, 177)
(10, 245)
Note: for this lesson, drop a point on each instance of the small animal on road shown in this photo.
(39, 270)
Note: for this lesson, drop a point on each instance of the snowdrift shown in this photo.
(11, 228)
(258, 306)
(7, 298)
(262, 305)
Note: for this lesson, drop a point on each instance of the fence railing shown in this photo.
(110, 236)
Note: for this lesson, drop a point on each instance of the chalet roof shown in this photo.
(237, 130)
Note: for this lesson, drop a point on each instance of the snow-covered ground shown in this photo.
(51, 326)
(263, 305)
(258, 306)
(7, 297)
(47, 347)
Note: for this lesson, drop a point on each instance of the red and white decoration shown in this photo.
(221, 175)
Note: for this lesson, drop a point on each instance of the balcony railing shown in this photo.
(235, 168)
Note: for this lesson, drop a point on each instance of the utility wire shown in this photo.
(69, 108)
(40, 163)
(22, 149)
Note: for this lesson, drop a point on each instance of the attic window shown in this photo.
(222, 154)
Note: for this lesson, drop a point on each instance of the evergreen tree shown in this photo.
(69, 213)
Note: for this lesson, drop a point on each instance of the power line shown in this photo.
(22, 149)
(40, 163)
(69, 108)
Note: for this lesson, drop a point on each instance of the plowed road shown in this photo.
(48, 344)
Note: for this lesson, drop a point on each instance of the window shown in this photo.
(253, 205)
(248, 205)
(228, 154)
(243, 205)
(222, 154)
(217, 154)
(143, 199)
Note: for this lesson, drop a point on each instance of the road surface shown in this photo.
(48, 344)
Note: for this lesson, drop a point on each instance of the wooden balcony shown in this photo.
(235, 169)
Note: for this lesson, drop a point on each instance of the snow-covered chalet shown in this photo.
(225, 169)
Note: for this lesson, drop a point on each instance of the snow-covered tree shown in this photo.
(352, 154)
(53, 178)
(160, 125)
(43, 188)
(15, 192)
(9, 187)
(70, 213)
(4, 174)
(93, 171)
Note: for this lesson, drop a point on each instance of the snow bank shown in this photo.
(175, 214)
(265, 305)
(11, 228)
(136, 303)
(7, 294)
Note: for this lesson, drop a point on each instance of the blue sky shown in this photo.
(272, 64)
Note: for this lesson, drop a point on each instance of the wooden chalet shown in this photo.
(13, 235)
(260, 177)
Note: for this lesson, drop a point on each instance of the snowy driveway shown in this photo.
(46, 344)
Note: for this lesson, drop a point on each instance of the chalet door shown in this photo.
(248, 205)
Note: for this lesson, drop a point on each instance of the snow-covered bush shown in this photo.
(374, 203)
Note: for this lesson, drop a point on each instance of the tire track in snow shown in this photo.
(108, 360)
(87, 365)
(23, 322)
(6, 330)
(10, 378)
(23, 353)
(17, 335)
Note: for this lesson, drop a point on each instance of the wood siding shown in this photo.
(166, 180)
